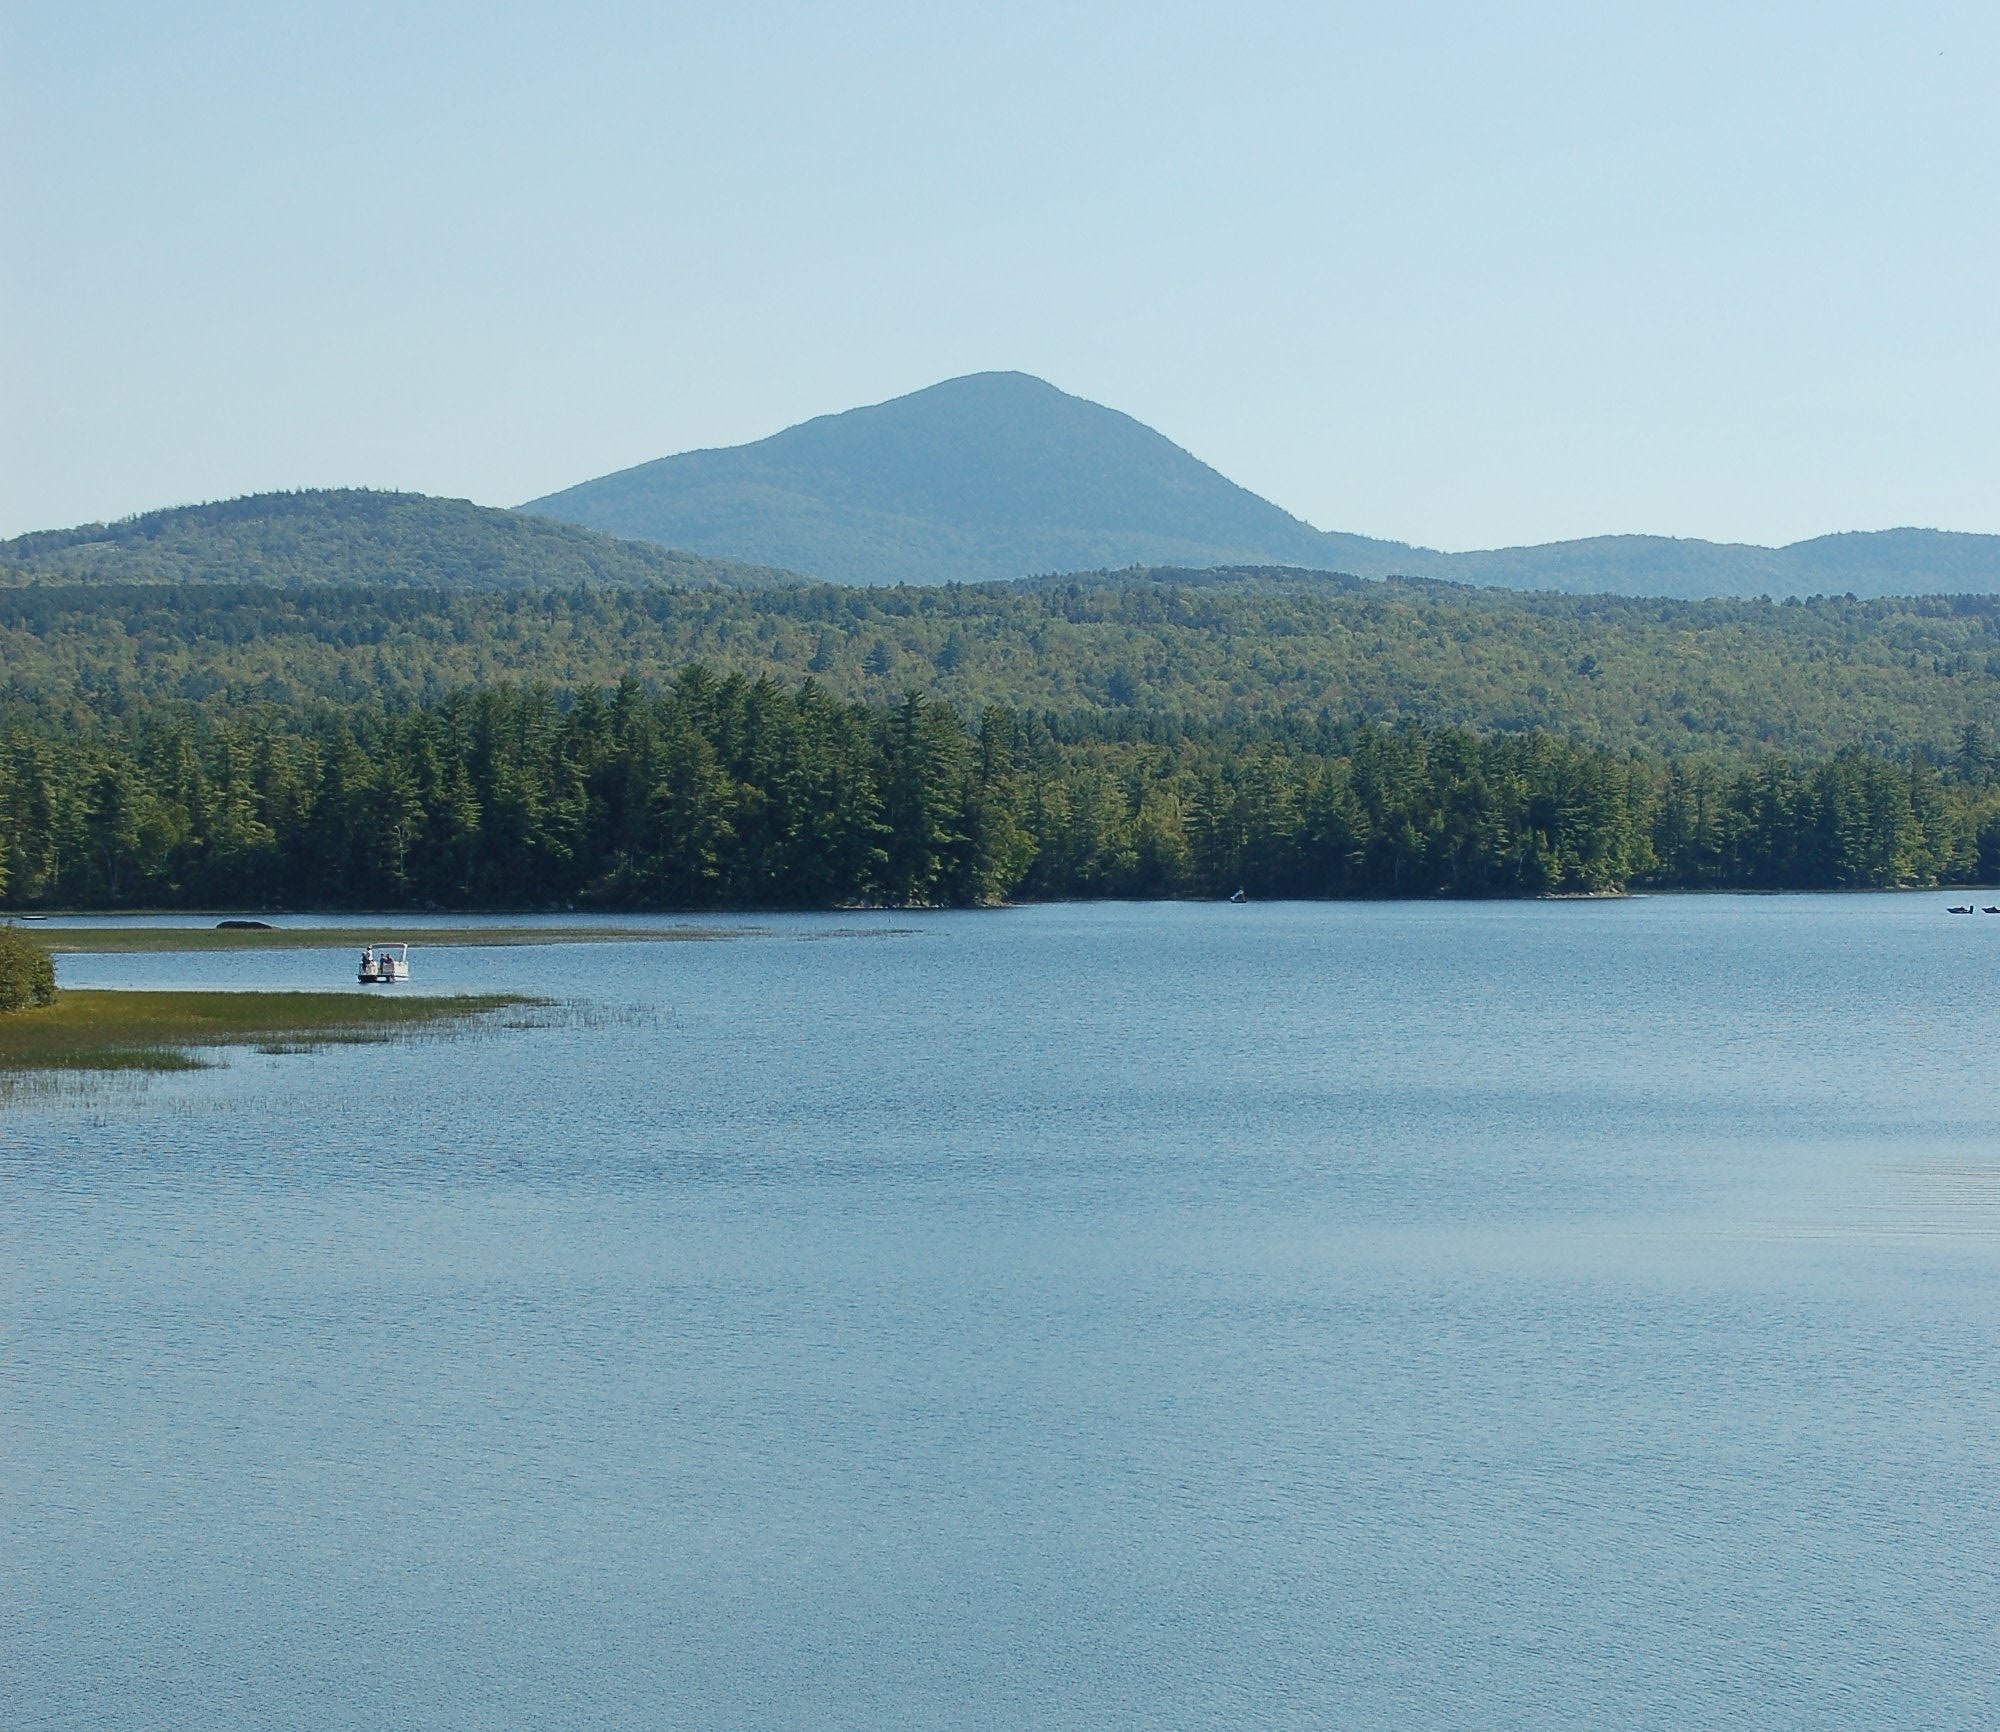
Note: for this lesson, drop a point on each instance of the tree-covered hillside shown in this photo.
(351, 535)
(738, 793)
(1724, 678)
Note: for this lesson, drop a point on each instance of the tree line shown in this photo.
(725, 791)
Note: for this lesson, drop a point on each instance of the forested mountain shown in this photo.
(993, 476)
(352, 535)
(1721, 679)
(999, 475)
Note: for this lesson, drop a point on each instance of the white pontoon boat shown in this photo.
(382, 963)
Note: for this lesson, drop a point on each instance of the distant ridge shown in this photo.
(993, 477)
(1001, 475)
(1866, 563)
(356, 535)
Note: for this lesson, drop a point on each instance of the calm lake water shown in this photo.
(1530, 1315)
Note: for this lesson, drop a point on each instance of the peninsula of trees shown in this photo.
(723, 791)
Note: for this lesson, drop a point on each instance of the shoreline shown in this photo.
(126, 931)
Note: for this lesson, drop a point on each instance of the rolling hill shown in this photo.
(1000, 476)
(352, 535)
(1142, 651)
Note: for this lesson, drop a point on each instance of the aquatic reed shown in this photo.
(165, 1031)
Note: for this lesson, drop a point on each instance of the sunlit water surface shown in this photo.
(1540, 1316)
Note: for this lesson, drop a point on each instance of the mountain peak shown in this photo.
(990, 475)
(1002, 475)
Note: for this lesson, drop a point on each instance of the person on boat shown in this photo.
(367, 958)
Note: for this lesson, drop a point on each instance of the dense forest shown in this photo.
(725, 791)
(1724, 680)
(512, 713)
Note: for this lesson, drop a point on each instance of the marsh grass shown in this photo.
(129, 940)
(167, 1031)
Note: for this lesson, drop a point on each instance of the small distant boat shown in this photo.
(1966, 909)
(384, 963)
(1990, 911)
(1239, 897)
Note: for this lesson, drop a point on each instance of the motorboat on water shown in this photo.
(384, 963)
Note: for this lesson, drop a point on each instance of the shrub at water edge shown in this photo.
(27, 976)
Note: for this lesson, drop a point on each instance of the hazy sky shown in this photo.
(1462, 275)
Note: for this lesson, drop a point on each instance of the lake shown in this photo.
(1365, 1316)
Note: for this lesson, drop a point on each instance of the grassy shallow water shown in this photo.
(126, 940)
(90, 1030)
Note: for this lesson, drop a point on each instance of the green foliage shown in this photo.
(1719, 679)
(726, 791)
(1150, 734)
(27, 974)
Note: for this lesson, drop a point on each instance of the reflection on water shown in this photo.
(1387, 1316)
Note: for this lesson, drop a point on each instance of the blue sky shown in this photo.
(1459, 275)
